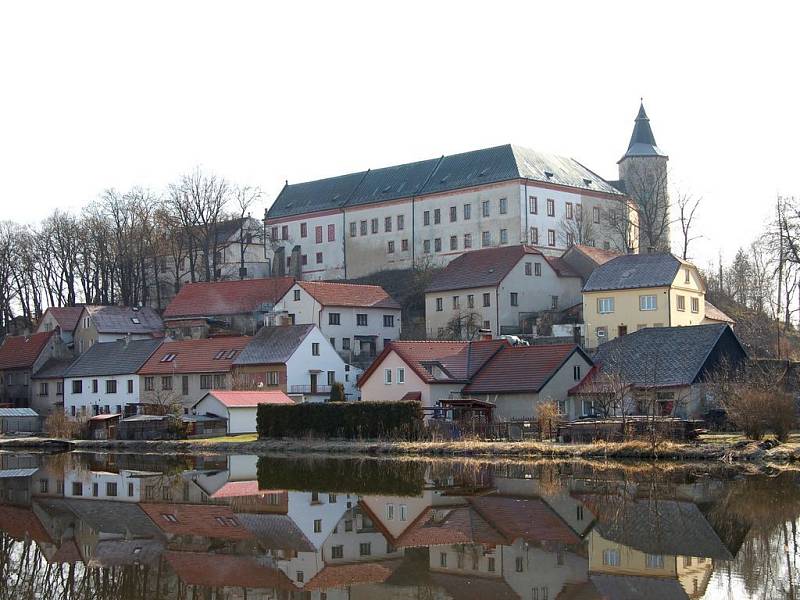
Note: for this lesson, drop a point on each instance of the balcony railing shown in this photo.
(311, 390)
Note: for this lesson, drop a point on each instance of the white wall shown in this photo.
(101, 478)
(241, 419)
(86, 399)
(302, 362)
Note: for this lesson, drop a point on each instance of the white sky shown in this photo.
(112, 94)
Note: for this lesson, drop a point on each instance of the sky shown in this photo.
(95, 95)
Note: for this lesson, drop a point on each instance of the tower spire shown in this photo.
(643, 142)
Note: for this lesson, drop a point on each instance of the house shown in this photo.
(20, 357)
(437, 209)
(500, 289)
(232, 306)
(109, 323)
(182, 371)
(295, 359)
(104, 379)
(511, 380)
(634, 291)
(358, 320)
(47, 392)
(239, 408)
(65, 318)
(517, 379)
(583, 259)
(660, 369)
(238, 252)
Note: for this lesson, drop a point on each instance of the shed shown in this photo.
(104, 427)
(239, 408)
(20, 420)
(149, 427)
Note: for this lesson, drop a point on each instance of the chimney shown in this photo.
(484, 335)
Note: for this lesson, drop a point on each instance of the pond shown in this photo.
(116, 526)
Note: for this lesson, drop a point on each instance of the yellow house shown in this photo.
(635, 291)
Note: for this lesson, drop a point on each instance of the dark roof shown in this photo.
(113, 358)
(273, 345)
(54, 368)
(467, 169)
(662, 356)
(67, 317)
(276, 532)
(208, 299)
(632, 587)
(21, 351)
(521, 368)
(480, 268)
(106, 516)
(125, 319)
(643, 142)
(629, 271)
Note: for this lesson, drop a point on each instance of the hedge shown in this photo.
(342, 476)
(351, 420)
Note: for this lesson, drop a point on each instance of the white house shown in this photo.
(238, 407)
(499, 289)
(296, 359)
(358, 320)
(104, 379)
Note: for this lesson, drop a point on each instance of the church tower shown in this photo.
(643, 175)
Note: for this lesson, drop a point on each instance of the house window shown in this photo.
(470, 301)
(185, 385)
(296, 295)
(390, 247)
(551, 237)
(648, 302)
(130, 386)
(300, 576)
(285, 232)
(443, 559)
(43, 388)
(315, 349)
(273, 378)
(387, 224)
(362, 226)
(319, 258)
(605, 305)
(504, 236)
(514, 299)
(361, 319)
(206, 382)
(456, 302)
(686, 277)
(519, 564)
(611, 557)
(485, 210)
(334, 319)
(486, 238)
(166, 383)
(596, 214)
(453, 242)
(318, 234)
(95, 386)
(303, 230)
(59, 388)
(437, 216)
(426, 217)
(304, 259)
(331, 233)
(149, 384)
(503, 205)
(389, 512)
(426, 246)
(438, 305)
(486, 325)
(401, 378)
(528, 268)
(337, 551)
(401, 222)
(695, 305)
(219, 382)
(404, 245)
(388, 320)
(654, 561)
(437, 245)
(579, 513)
(365, 548)
(275, 233)
(533, 205)
(77, 488)
(490, 564)
(551, 207)
(467, 241)
(570, 238)
(487, 299)
(453, 214)
(681, 302)
(353, 229)
(568, 210)
(345, 343)
(554, 302)
(373, 225)
(576, 372)
(111, 488)
(77, 386)
(467, 212)
(534, 237)
(111, 386)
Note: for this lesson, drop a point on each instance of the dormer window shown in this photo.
(169, 357)
(136, 321)
(219, 355)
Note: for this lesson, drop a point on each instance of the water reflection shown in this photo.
(116, 526)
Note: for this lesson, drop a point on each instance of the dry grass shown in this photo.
(241, 438)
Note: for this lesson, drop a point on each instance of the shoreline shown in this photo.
(727, 452)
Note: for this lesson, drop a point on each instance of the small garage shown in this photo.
(238, 408)
(20, 420)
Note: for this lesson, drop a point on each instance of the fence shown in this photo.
(633, 427)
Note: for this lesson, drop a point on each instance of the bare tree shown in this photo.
(648, 188)
(246, 196)
(622, 220)
(577, 229)
(462, 326)
(687, 208)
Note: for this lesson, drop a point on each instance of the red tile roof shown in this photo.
(344, 575)
(521, 368)
(203, 520)
(715, 314)
(21, 351)
(449, 525)
(480, 268)
(237, 489)
(329, 293)
(597, 255)
(21, 523)
(236, 399)
(224, 570)
(528, 518)
(226, 297)
(195, 356)
(459, 359)
(67, 317)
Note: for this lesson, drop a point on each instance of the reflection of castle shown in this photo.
(214, 531)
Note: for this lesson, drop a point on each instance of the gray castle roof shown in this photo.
(631, 271)
(478, 167)
(113, 358)
(643, 142)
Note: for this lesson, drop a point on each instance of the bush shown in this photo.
(349, 420)
(58, 425)
(337, 392)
